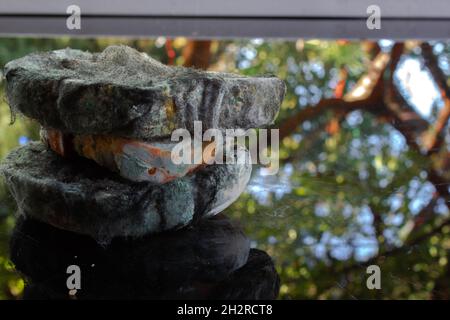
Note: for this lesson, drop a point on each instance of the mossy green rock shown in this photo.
(123, 92)
(77, 195)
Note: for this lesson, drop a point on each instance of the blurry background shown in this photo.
(364, 173)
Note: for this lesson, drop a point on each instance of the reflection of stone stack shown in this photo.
(104, 169)
(208, 260)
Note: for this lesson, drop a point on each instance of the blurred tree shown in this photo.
(197, 54)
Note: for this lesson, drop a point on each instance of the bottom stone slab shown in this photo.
(195, 262)
(80, 196)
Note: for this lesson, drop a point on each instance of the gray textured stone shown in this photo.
(77, 195)
(126, 93)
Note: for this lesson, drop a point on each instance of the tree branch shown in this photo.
(338, 105)
(432, 139)
(364, 95)
(405, 247)
(433, 66)
(197, 54)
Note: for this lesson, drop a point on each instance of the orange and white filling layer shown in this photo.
(132, 159)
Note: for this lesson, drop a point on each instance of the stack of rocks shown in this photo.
(104, 169)
(209, 259)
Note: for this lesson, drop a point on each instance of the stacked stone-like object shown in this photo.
(210, 259)
(103, 166)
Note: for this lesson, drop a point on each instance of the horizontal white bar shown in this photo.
(233, 8)
(226, 28)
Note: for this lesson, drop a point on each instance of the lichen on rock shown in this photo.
(126, 93)
(106, 169)
(79, 196)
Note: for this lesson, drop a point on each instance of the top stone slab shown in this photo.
(123, 92)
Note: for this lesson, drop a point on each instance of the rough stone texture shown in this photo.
(179, 264)
(78, 195)
(126, 93)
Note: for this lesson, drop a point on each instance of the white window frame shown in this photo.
(401, 19)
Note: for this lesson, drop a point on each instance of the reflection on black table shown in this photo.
(211, 259)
